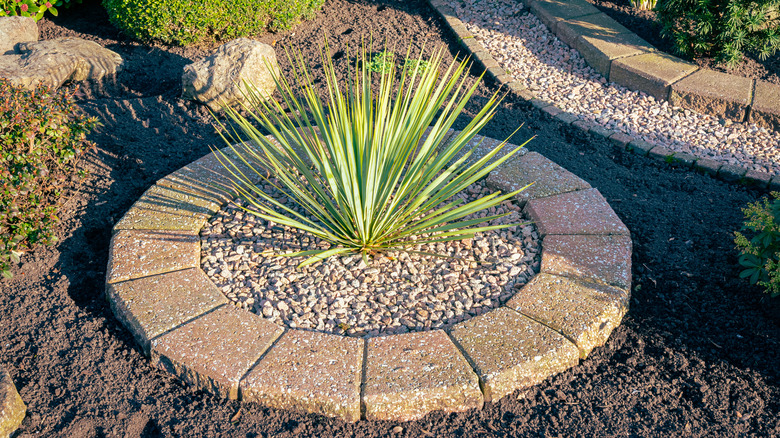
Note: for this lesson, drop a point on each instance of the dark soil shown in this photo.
(644, 24)
(697, 355)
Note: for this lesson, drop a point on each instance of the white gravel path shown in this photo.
(532, 54)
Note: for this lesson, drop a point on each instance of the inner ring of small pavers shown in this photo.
(396, 292)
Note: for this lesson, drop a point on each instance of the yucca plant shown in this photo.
(355, 166)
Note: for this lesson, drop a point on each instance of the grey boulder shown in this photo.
(219, 78)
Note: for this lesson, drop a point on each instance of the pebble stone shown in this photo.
(554, 72)
(396, 292)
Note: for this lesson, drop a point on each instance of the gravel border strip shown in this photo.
(156, 288)
(725, 172)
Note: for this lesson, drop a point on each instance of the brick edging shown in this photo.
(725, 172)
(157, 290)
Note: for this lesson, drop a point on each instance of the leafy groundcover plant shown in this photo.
(760, 255)
(354, 166)
(42, 137)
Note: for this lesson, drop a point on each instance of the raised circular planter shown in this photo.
(157, 289)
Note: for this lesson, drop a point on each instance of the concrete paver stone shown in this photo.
(552, 12)
(598, 25)
(166, 208)
(310, 372)
(412, 374)
(581, 212)
(586, 313)
(546, 178)
(214, 351)
(150, 306)
(208, 177)
(12, 408)
(711, 92)
(135, 254)
(653, 73)
(766, 105)
(510, 351)
(603, 259)
(600, 51)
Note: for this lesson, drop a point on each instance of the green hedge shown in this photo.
(42, 136)
(184, 22)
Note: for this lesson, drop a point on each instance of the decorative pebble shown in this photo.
(394, 292)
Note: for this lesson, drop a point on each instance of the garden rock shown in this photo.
(94, 61)
(16, 30)
(219, 78)
(53, 62)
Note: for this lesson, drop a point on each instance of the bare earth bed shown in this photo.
(695, 356)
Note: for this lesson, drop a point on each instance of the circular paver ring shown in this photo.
(157, 290)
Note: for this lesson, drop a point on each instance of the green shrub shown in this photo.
(32, 8)
(365, 183)
(760, 254)
(184, 22)
(42, 135)
(724, 29)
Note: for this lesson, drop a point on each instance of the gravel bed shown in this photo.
(395, 292)
(532, 54)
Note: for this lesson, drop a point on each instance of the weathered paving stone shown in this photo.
(552, 110)
(653, 73)
(166, 208)
(510, 351)
(684, 159)
(731, 172)
(640, 147)
(707, 166)
(309, 372)
(135, 254)
(546, 178)
(600, 51)
(584, 312)
(552, 12)
(603, 259)
(412, 374)
(766, 105)
(210, 179)
(586, 212)
(758, 179)
(711, 92)
(12, 408)
(620, 139)
(661, 153)
(151, 306)
(213, 352)
(598, 25)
